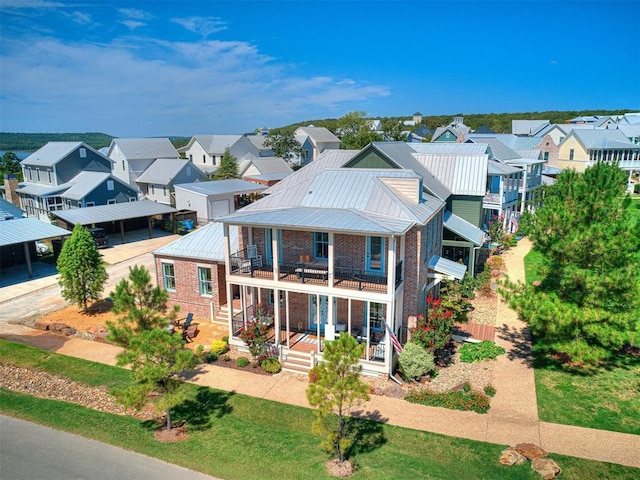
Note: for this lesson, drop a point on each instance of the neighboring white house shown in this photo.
(320, 138)
(213, 199)
(206, 151)
(131, 156)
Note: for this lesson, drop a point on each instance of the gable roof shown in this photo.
(269, 165)
(164, 170)
(53, 152)
(215, 144)
(204, 243)
(446, 148)
(602, 138)
(84, 183)
(8, 211)
(318, 134)
(144, 148)
(460, 174)
(527, 127)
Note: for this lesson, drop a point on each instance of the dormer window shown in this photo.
(83, 153)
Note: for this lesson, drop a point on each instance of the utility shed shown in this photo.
(126, 216)
(214, 199)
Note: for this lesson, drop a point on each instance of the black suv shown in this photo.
(99, 237)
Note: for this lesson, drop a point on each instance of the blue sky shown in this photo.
(156, 68)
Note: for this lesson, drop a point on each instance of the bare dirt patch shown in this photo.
(340, 470)
(176, 434)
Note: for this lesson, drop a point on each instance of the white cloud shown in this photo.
(150, 87)
(134, 13)
(80, 17)
(204, 26)
(132, 24)
(31, 4)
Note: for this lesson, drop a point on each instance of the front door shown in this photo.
(375, 254)
(313, 312)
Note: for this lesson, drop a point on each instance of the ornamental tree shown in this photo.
(283, 143)
(336, 392)
(228, 167)
(81, 268)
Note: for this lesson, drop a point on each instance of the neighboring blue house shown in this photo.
(65, 175)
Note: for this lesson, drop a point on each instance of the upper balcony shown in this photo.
(248, 263)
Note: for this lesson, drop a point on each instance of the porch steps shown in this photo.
(222, 316)
(296, 362)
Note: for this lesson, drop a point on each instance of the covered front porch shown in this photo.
(301, 322)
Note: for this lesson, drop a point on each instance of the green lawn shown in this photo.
(234, 436)
(608, 399)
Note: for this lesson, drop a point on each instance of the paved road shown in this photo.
(32, 452)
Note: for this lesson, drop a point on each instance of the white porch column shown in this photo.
(228, 286)
(288, 318)
(318, 321)
(391, 270)
(389, 326)
(524, 190)
(276, 315)
(275, 252)
(331, 259)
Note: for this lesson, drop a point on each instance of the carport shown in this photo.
(118, 212)
(26, 231)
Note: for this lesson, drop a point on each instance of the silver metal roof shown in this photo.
(499, 168)
(39, 190)
(269, 177)
(84, 183)
(447, 267)
(527, 127)
(604, 138)
(53, 152)
(267, 165)
(144, 148)
(216, 144)
(318, 134)
(8, 211)
(460, 174)
(163, 170)
(111, 213)
(314, 219)
(222, 187)
(499, 150)
(22, 230)
(204, 243)
(463, 228)
(443, 148)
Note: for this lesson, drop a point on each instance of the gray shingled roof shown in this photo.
(22, 230)
(204, 243)
(222, 187)
(111, 213)
(145, 148)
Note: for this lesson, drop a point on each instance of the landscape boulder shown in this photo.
(530, 450)
(547, 468)
(510, 456)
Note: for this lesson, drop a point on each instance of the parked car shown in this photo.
(41, 247)
(99, 237)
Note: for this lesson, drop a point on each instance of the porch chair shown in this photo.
(187, 321)
(378, 351)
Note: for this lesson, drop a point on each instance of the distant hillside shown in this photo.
(498, 122)
(34, 141)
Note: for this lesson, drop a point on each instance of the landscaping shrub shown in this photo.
(242, 362)
(225, 358)
(218, 347)
(510, 240)
(225, 339)
(496, 264)
(636, 188)
(525, 223)
(464, 399)
(271, 365)
(212, 357)
(477, 352)
(415, 361)
(484, 281)
(454, 300)
(434, 329)
(490, 390)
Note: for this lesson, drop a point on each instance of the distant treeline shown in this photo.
(498, 122)
(34, 141)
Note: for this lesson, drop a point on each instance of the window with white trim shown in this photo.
(83, 153)
(110, 185)
(204, 281)
(168, 277)
(376, 316)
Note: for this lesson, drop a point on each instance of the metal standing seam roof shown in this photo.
(402, 155)
(164, 170)
(460, 174)
(8, 211)
(534, 153)
(604, 138)
(499, 168)
(204, 243)
(444, 148)
(527, 127)
(111, 213)
(145, 148)
(40, 190)
(269, 177)
(216, 144)
(267, 165)
(447, 267)
(84, 183)
(463, 228)
(319, 134)
(20, 230)
(499, 150)
(51, 153)
(222, 187)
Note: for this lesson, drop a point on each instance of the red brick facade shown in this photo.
(187, 291)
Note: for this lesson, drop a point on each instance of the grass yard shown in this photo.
(608, 399)
(239, 437)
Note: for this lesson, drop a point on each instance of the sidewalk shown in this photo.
(513, 417)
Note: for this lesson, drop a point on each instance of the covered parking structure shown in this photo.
(117, 217)
(17, 240)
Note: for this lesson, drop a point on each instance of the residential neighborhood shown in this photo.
(327, 245)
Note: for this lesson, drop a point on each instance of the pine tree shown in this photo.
(337, 390)
(228, 167)
(81, 268)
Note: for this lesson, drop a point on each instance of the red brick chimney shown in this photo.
(10, 189)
